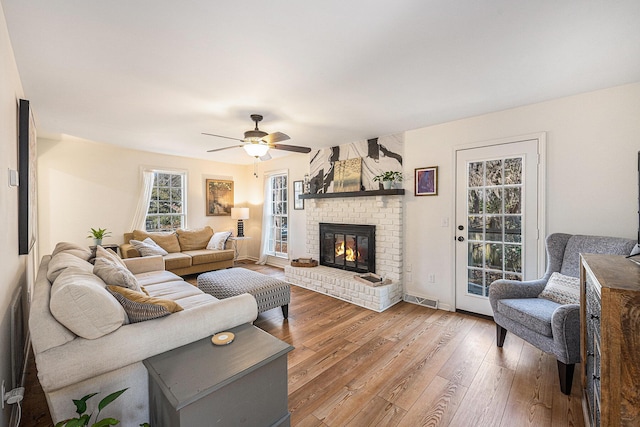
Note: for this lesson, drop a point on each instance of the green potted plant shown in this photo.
(98, 235)
(84, 419)
(388, 178)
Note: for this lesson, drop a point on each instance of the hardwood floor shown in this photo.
(407, 366)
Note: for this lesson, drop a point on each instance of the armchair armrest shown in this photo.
(127, 250)
(144, 264)
(565, 327)
(508, 289)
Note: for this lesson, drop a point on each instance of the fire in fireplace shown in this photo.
(348, 246)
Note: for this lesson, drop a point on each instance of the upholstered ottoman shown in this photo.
(268, 291)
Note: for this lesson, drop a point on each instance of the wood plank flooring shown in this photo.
(408, 366)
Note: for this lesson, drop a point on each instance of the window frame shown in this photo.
(273, 198)
(183, 188)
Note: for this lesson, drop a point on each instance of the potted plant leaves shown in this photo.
(389, 178)
(84, 419)
(98, 235)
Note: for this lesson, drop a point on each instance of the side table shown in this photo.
(113, 247)
(234, 241)
(242, 383)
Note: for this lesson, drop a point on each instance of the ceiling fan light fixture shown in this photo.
(256, 150)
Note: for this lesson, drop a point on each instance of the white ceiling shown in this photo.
(153, 75)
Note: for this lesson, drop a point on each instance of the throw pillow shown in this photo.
(114, 274)
(219, 240)
(140, 307)
(562, 289)
(109, 255)
(148, 247)
(63, 260)
(80, 302)
(82, 252)
(167, 241)
(193, 240)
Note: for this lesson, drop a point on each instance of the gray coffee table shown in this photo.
(242, 383)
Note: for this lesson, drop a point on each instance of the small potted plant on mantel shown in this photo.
(388, 179)
(98, 235)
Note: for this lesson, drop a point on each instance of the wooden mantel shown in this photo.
(394, 192)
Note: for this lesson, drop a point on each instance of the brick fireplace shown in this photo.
(385, 213)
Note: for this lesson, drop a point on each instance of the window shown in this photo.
(277, 235)
(167, 205)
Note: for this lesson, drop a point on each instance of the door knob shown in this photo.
(460, 239)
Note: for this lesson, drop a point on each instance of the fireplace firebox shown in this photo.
(348, 246)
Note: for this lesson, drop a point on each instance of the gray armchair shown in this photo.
(551, 327)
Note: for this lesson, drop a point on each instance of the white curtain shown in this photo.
(266, 221)
(140, 215)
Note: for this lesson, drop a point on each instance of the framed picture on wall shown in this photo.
(298, 187)
(219, 197)
(426, 180)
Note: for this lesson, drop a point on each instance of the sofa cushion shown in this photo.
(80, 302)
(562, 289)
(532, 313)
(153, 277)
(63, 260)
(114, 274)
(219, 240)
(140, 307)
(175, 290)
(194, 239)
(167, 241)
(205, 256)
(173, 261)
(147, 247)
(76, 250)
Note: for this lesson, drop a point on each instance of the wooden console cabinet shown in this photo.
(240, 384)
(610, 340)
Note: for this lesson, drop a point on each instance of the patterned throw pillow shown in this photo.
(114, 274)
(148, 247)
(140, 307)
(562, 289)
(219, 240)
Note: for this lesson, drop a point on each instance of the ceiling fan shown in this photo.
(257, 143)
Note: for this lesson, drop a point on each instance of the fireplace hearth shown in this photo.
(348, 246)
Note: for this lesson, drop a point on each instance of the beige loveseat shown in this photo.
(109, 357)
(187, 253)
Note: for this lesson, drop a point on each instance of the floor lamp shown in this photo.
(240, 214)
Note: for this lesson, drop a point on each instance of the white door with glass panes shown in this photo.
(498, 217)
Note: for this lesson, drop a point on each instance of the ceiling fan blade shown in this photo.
(295, 148)
(222, 136)
(272, 138)
(225, 148)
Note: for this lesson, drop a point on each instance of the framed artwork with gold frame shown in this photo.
(219, 197)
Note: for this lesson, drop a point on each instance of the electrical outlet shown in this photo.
(408, 266)
(444, 222)
(432, 278)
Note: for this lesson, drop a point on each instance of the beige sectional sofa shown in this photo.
(187, 253)
(109, 356)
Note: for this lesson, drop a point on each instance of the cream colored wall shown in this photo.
(15, 270)
(84, 184)
(591, 175)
